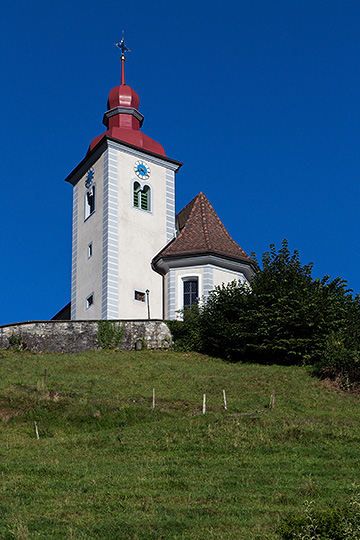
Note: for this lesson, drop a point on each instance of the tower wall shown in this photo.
(123, 238)
(141, 234)
(87, 271)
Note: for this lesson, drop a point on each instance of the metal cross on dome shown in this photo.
(121, 45)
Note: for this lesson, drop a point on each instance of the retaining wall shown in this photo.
(77, 336)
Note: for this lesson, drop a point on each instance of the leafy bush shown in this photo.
(337, 523)
(110, 334)
(16, 343)
(186, 332)
(285, 317)
(339, 361)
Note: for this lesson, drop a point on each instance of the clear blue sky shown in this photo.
(259, 99)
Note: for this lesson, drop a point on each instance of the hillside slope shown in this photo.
(108, 466)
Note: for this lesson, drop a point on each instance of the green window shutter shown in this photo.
(136, 195)
(145, 200)
(141, 197)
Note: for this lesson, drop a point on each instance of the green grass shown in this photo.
(108, 466)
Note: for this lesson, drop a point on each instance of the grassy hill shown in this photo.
(109, 466)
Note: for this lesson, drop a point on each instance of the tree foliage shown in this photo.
(285, 317)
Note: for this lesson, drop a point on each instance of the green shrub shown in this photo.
(16, 343)
(285, 317)
(337, 523)
(110, 334)
(186, 332)
(339, 362)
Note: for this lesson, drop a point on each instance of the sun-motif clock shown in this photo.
(142, 170)
(89, 177)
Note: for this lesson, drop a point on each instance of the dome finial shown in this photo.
(121, 45)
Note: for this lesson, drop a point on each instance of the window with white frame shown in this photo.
(90, 250)
(90, 201)
(139, 296)
(89, 301)
(190, 292)
(142, 196)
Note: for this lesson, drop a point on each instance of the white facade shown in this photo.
(208, 272)
(114, 241)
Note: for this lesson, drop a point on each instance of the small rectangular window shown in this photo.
(90, 201)
(89, 300)
(90, 250)
(139, 296)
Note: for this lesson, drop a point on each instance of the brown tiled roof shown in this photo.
(201, 231)
(183, 215)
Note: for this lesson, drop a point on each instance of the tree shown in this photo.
(286, 317)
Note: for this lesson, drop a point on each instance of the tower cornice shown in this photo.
(93, 155)
(122, 110)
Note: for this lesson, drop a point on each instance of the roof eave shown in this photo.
(162, 264)
(93, 155)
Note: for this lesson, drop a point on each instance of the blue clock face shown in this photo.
(89, 177)
(142, 170)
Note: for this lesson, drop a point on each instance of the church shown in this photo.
(132, 256)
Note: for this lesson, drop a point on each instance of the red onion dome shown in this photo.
(123, 96)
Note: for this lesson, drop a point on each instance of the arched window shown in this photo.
(90, 201)
(142, 196)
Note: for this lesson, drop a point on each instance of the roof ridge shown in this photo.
(184, 214)
(195, 202)
(203, 199)
(202, 231)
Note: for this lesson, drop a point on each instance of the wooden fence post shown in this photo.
(224, 395)
(272, 400)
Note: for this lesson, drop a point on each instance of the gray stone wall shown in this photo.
(77, 336)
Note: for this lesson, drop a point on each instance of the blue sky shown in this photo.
(259, 99)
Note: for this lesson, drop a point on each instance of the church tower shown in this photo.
(123, 214)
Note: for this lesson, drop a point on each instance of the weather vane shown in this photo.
(121, 45)
(123, 48)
